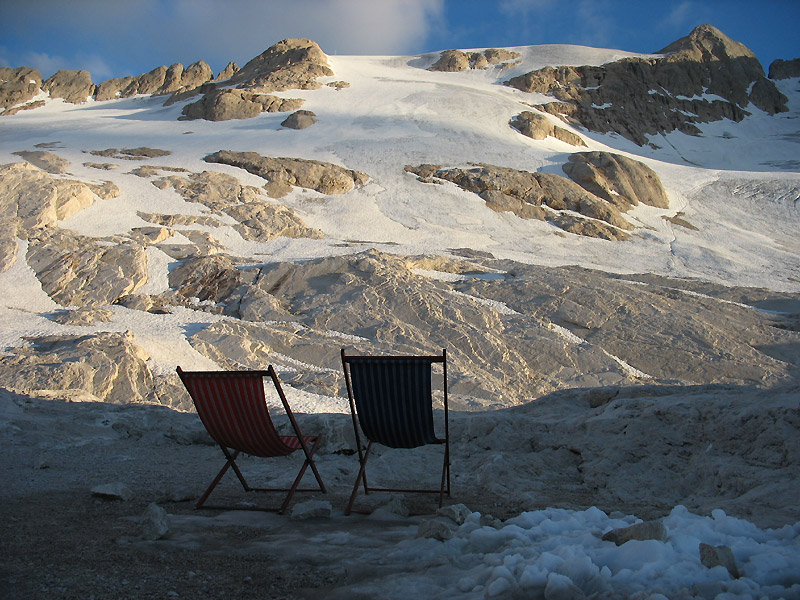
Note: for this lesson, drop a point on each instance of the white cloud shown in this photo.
(143, 34)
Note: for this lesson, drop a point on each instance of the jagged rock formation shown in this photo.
(159, 81)
(536, 126)
(78, 271)
(541, 196)
(455, 60)
(141, 153)
(300, 120)
(229, 71)
(784, 69)
(289, 64)
(18, 87)
(75, 87)
(108, 367)
(617, 179)
(257, 220)
(637, 97)
(283, 173)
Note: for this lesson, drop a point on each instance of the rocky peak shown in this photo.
(289, 64)
(706, 43)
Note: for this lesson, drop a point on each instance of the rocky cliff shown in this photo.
(702, 77)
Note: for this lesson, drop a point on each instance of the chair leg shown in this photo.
(362, 476)
(309, 461)
(445, 476)
(231, 462)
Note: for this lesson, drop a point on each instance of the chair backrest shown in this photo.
(233, 409)
(393, 398)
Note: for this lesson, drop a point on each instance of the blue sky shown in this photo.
(112, 38)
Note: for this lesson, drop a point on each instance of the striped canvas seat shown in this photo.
(391, 401)
(233, 409)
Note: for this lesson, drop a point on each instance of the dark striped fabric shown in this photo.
(234, 411)
(393, 400)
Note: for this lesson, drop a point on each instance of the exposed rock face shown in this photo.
(73, 86)
(300, 120)
(226, 104)
(455, 60)
(161, 80)
(109, 366)
(18, 86)
(784, 69)
(78, 271)
(530, 195)
(536, 126)
(530, 329)
(617, 179)
(638, 97)
(31, 200)
(282, 173)
(258, 220)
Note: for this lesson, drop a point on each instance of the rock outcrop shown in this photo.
(784, 69)
(536, 126)
(31, 200)
(542, 196)
(109, 367)
(75, 87)
(704, 77)
(226, 104)
(617, 179)
(47, 161)
(289, 64)
(257, 220)
(453, 61)
(283, 173)
(18, 87)
(78, 271)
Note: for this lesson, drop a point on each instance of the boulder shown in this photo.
(112, 491)
(784, 69)
(75, 270)
(637, 97)
(300, 120)
(18, 86)
(109, 366)
(154, 523)
(311, 509)
(646, 530)
(536, 126)
(323, 177)
(617, 179)
(75, 87)
(718, 556)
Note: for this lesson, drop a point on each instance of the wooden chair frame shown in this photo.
(363, 453)
(277, 444)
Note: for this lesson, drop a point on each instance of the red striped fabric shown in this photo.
(233, 409)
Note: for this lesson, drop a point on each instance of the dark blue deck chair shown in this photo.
(391, 398)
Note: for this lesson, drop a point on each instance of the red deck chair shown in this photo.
(233, 409)
(391, 399)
